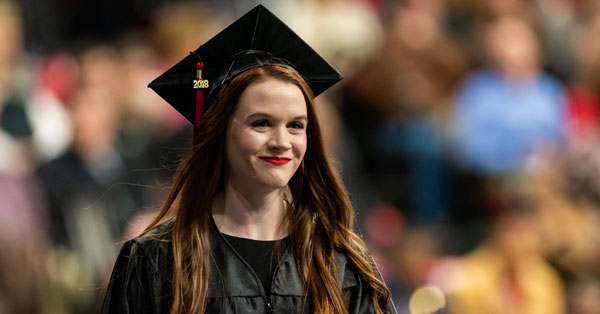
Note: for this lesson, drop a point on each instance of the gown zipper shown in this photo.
(256, 278)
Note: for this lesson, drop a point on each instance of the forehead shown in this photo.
(272, 96)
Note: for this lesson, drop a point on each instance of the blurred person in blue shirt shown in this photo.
(509, 110)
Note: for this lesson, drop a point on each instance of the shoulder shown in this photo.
(152, 246)
(549, 80)
(145, 259)
(481, 78)
(477, 85)
(140, 282)
(355, 286)
(160, 233)
(551, 85)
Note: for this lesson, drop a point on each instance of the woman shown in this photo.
(257, 220)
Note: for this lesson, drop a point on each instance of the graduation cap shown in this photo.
(257, 38)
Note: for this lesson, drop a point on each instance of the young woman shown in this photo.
(257, 220)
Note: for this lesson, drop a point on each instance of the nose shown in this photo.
(280, 140)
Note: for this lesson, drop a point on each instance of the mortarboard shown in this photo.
(257, 38)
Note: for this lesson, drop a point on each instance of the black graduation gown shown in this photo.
(141, 281)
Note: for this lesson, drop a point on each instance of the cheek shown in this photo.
(243, 143)
(250, 142)
(300, 146)
(234, 151)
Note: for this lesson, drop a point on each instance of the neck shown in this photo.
(252, 215)
(520, 73)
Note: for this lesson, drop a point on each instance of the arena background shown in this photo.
(466, 132)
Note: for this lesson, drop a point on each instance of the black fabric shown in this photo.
(257, 38)
(13, 118)
(261, 256)
(72, 191)
(141, 280)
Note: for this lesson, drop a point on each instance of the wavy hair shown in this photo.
(320, 216)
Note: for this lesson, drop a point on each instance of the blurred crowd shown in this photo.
(466, 131)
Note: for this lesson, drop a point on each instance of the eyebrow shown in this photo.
(263, 114)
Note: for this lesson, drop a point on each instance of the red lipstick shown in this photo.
(278, 161)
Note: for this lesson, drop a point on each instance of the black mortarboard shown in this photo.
(257, 38)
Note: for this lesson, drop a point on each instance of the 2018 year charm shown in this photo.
(199, 82)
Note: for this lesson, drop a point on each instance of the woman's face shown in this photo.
(267, 135)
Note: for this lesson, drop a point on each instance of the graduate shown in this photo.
(257, 220)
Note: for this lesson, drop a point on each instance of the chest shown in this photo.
(252, 277)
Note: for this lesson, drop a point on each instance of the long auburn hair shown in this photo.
(320, 217)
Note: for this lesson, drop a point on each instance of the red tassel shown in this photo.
(199, 93)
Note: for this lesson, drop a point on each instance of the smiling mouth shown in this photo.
(278, 161)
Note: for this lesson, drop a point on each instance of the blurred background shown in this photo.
(466, 131)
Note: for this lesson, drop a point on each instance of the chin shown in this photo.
(274, 179)
(276, 183)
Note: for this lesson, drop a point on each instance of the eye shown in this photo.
(263, 123)
(296, 125)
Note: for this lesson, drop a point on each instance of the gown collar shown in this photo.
(232, 276)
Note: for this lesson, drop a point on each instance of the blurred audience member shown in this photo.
(510, 110)
(396, 107)
(88, 206)
(15, 129)
(88, 168)
(140, 64)
(52, 128)
(413, 259)
(146, 128)
(180, 26)
(556, 20)
(347, 32)
(23, 245)
(465, 18)
(384, 228)
(506, 274)
(565, 195)
(584, 113)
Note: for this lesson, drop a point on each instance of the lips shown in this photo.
(278, 161)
